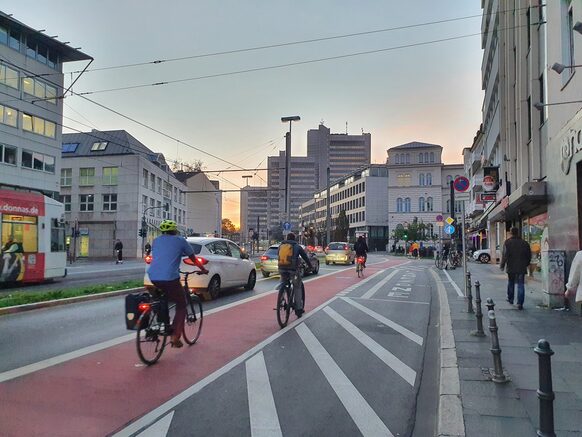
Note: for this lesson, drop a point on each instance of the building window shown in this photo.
(86, 202)
(7, 154)
(425, 156)
(39, 126)
(110, 202)
(420, 158)
(408, 158)
(145, 178)
(399, 205)
(69, 147)
(144, 203)
(87, 176)
(407, 204)
(397, 159)
(429, 204)
(152, 206)
(66, 177)
(159, 185)
(8, 116)
(38, 161)
(66, 200)
(429, 179)
(153, 182)
(8, 76)
(159, 209)
(421, 179)
(14, 40)
(430, 230)
(99, 145)
(431, 156)
(37, 88)
(404, 179)
(110, 175)
(421, 205)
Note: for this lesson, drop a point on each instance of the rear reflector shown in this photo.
(148, 259)
(144, 306)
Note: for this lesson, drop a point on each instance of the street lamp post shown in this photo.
(288, 165)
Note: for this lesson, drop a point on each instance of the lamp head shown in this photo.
(578, 26)
(292, 118)
(539, 106)
(558, 68)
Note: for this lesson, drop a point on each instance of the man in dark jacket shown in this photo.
(361, 249)
(119, 252)
(289, 264)
(517, 256)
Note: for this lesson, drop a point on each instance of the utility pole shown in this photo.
(328, 212)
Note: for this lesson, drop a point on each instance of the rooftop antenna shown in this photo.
(346, 127)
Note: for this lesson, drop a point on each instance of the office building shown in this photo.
(253, 213)
(204, 216)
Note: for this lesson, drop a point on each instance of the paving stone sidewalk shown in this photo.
(511, 409)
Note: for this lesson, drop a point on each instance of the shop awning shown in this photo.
(528, 198)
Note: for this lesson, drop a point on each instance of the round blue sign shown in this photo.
(287, 227)
(461, 184)
(449, 229)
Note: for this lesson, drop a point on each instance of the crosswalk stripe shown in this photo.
(262, 410)
(368, 294)
(387, 357)
(401, 329)
(359, 410)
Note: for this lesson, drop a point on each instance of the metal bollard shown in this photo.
(545, 393)
(498, 375)
(469, 295)
(478, 314)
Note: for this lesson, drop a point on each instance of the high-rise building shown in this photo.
(342, 153)
(253, 213)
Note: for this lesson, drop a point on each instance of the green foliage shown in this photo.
(415, 231)
(20, 297)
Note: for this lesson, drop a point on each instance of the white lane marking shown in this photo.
(372, 291)
(455, 286)
(390, 300)
(193, 389)
(160, 428)
(262, 410)
(398, 328)
(40, 365)
(111, 270)
(359, 410)
(403, 370)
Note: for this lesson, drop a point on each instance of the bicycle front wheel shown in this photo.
(440, 263)
(194, 315)
(151, 337)
(283, 307)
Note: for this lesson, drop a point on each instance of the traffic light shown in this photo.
(143, 233)
(405, 236)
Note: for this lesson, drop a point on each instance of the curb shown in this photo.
(450, 410)
(66, 301)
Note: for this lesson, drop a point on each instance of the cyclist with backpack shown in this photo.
(164, 272)
(289, 263)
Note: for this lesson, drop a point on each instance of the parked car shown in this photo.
(484, 255)
(227, 264)
(269, 262)
(339, 253)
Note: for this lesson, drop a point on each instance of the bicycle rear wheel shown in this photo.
(283, 306)
(194, 316)
(151, 337)
(440, 263)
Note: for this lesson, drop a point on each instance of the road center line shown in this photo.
(398, 328)
(262, 410)
(359, 410)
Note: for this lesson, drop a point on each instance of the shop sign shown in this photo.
(571, 145)
(490, 179)
(485, 197)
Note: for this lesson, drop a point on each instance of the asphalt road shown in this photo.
(354, 365)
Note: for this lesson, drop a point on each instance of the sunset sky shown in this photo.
(413, 87)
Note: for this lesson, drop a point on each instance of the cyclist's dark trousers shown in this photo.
(296, 279)
(175, 293)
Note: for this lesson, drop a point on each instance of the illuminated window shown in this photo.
(8, 116)
(87, 176)
(110, 175)
(22, 230)
(37, 125)
(8, 76)
(99, 145)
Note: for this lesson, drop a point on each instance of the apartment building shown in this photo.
(204, 217)
(342, 153)
(31, 112)
(111, 183)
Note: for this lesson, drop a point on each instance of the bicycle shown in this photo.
(286, 300)
(360, 266)
(440, 262)
(154, 327)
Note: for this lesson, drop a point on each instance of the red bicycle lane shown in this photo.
(102, 392)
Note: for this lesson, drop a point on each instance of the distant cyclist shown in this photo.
(361, 249)
(289, 263)
(164, 272)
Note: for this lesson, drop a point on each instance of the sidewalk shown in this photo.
(511, 409)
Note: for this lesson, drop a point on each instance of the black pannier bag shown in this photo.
(132, 312)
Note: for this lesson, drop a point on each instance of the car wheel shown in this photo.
(252, 280)
(484, 258)
(214, 287)
(266, 274)
(327, 263)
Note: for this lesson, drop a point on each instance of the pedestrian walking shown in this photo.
(148, 248)
(119, 252)
(574, 285)
(516, 256)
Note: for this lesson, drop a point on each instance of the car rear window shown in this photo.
(196, 248)
(272, 251)
(336, 246)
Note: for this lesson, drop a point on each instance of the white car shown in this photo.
(227, 265)
(484, 255)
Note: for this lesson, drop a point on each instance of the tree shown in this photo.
(342, 227)
(228, 227)
(193, 166)
(415, 231)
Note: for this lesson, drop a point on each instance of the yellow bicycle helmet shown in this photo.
(168, 225)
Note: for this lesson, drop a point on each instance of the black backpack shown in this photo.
(132, 313)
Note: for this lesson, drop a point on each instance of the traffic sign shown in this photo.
(450, 220)
(439, 218)
(461, 184)
(287, 227)
(449, 229)
(440, 224)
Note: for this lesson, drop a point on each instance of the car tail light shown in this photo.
(148, 259)
(264, 258)
(327, 248)
(346, 247)
(144, 306)
(201, 261)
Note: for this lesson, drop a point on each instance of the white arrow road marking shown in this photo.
(160, 428)
(359, 410)
(401, 329)
(262, 410)
(387, 357)
(372, 291)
